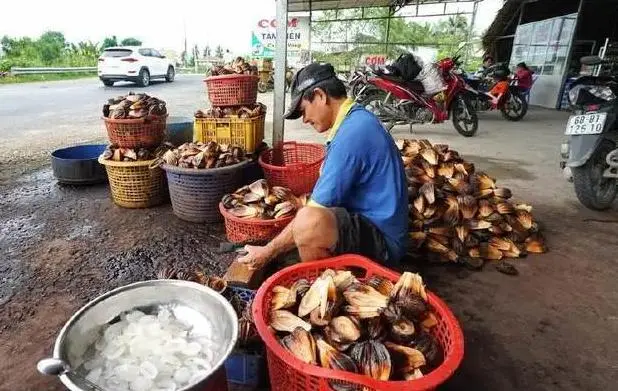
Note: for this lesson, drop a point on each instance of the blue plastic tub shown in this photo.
(78, 165)
(244, 368)
(179, 130)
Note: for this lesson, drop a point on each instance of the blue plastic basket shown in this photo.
(244, 368)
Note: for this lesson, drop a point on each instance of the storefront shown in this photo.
(551, 37)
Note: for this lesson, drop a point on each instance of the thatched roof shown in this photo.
(507, 16)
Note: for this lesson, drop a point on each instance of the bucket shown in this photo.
(192, 303)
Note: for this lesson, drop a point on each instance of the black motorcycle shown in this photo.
(590, 156)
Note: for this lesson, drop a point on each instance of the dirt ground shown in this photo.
(553, 327)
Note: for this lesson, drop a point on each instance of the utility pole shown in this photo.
(184, 26)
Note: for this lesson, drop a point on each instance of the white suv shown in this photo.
(134, 63)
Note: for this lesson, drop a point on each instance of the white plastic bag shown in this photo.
(431, 79)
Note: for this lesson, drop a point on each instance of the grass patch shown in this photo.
(45, 77)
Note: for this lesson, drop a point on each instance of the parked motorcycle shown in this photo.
(397, 101)
(357, 81)
(269, 84)
(513, 104)
(590, 156)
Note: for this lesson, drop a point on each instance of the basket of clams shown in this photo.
(258, 212)
(198, 175)
(132, 180)
(135, 120)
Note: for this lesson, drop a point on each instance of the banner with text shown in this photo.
(264, 36)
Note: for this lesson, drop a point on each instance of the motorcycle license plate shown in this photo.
(586, 124)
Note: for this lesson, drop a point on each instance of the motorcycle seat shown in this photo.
(413, 85)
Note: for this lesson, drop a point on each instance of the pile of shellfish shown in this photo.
(373, 327)
(247, 333)
(260, 200)
(253, 111)
(239, 66)
(462, 215)
(134, 106)
(204, 155)
(113, 152)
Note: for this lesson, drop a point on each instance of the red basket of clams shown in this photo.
(347, 323)
(258, 212)
(135, 121)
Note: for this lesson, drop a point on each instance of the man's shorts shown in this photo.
(358, 235)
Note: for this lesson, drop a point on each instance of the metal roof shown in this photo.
(304, 5)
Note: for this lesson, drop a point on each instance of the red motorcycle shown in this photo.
(396, 101)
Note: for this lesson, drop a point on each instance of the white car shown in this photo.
(134, 63)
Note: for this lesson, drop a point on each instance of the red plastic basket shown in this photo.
(300, 169)
(136, 133)
(239, 230)
(289, 373)
(232, 90)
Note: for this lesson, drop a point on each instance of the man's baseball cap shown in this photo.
(305, 79)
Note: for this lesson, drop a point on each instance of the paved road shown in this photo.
(66, 107)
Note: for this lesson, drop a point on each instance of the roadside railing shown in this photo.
(43, 70)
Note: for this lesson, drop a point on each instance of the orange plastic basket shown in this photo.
(289, 373)
(239, 230)
(136, 133)
(300, 169)
(247, 133)
(232, 90)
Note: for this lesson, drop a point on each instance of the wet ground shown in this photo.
(553, 327)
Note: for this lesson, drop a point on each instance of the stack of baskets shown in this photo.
(231, 91)
(135, 184)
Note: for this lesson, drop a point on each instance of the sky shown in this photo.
(207, 22)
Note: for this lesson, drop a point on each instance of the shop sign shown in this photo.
(264, 36)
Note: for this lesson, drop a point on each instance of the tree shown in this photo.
(219, 51)
(109, 42)
(368, 36)
(131, 42)
(206, 52)
(51, 45)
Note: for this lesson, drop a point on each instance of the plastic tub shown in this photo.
(78, 165)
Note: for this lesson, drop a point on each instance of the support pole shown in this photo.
(281, 51)
(388, 28)
(471, 32)
(310, 27)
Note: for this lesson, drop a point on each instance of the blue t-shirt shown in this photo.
(363, 173)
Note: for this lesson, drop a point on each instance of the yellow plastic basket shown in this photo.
(134, 184)
(247, 133)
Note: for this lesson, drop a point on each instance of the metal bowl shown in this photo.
(192, 304)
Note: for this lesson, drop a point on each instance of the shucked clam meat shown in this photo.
(260, 200)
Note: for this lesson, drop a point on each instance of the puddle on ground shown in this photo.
(17, 230)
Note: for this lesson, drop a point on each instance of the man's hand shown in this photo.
(257, 257)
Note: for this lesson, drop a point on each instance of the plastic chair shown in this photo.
(526, 92)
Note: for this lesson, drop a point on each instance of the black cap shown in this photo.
(305, 79)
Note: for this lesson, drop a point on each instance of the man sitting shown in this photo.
(360, 202)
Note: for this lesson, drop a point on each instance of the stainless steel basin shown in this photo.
(191, 303)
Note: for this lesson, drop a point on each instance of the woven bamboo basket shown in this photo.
(135, 184)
